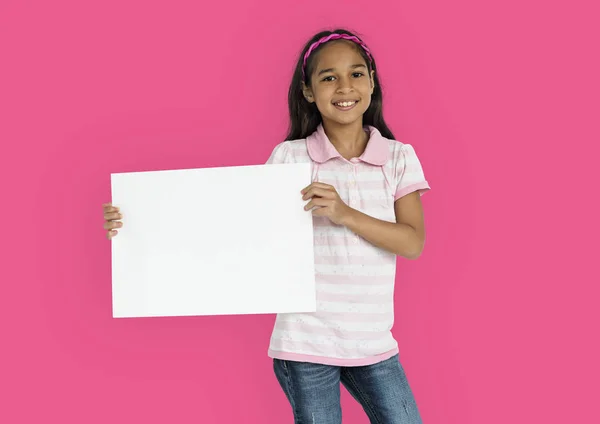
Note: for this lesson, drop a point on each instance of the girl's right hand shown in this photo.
(111, 219)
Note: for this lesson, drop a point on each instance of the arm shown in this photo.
(405, 237)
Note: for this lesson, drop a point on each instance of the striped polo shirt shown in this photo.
(354, 279)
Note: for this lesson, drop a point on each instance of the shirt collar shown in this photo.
(320, 148)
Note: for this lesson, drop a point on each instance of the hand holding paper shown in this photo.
(112, 216)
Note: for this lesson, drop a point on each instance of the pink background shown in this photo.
(497, 321)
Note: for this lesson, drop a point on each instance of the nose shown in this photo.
(344, 85)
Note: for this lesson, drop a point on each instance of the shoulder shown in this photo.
(397, 146)
(402, 158)
(293, 145)
(289, 151)
(399, 152)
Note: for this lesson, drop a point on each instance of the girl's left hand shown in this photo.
(327, 202)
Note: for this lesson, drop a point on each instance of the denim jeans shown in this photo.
(313, 391)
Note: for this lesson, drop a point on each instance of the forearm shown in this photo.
(400, 239)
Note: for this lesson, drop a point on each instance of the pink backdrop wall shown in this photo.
(496, 321)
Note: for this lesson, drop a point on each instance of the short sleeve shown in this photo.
(409, 173)
(281, 154)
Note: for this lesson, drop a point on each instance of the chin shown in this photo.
(346, 119)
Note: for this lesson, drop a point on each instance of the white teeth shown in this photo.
(345, 104)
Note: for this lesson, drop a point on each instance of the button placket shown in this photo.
(353, 195)
(352, 186)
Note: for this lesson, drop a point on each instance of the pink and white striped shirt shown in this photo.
(354, 279)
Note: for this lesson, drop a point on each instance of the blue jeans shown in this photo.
(314, 391)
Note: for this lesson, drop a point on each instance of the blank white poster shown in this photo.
(213, 241)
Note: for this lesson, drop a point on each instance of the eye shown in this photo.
(329, 78)
(358, 74)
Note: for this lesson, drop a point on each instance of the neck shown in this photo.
(349, 140)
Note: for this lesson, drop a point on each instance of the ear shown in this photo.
(372, 81)
(307, 92)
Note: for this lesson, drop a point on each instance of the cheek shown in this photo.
(366, 101)
(365, 88)
(323, 100)
(366, 96)
(322, 94)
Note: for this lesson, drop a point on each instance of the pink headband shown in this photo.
(334, 36)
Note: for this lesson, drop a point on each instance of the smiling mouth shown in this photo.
(347, 105)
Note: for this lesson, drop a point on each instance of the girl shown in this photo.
(365, 199)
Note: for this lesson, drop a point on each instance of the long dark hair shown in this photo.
(305, 117)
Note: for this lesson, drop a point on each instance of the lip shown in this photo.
(345, 108)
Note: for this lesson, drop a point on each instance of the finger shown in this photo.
(325, 186)
(111, 210)
(318, 191)
(316, 202)
(112, 216)
(318, 185)
(111, 225)
(108, 207)
(111, 234)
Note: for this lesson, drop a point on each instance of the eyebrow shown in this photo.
(324, 71)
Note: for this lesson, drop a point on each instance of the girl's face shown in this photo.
(340, 84)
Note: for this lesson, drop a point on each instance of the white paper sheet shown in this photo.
(213, 241)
